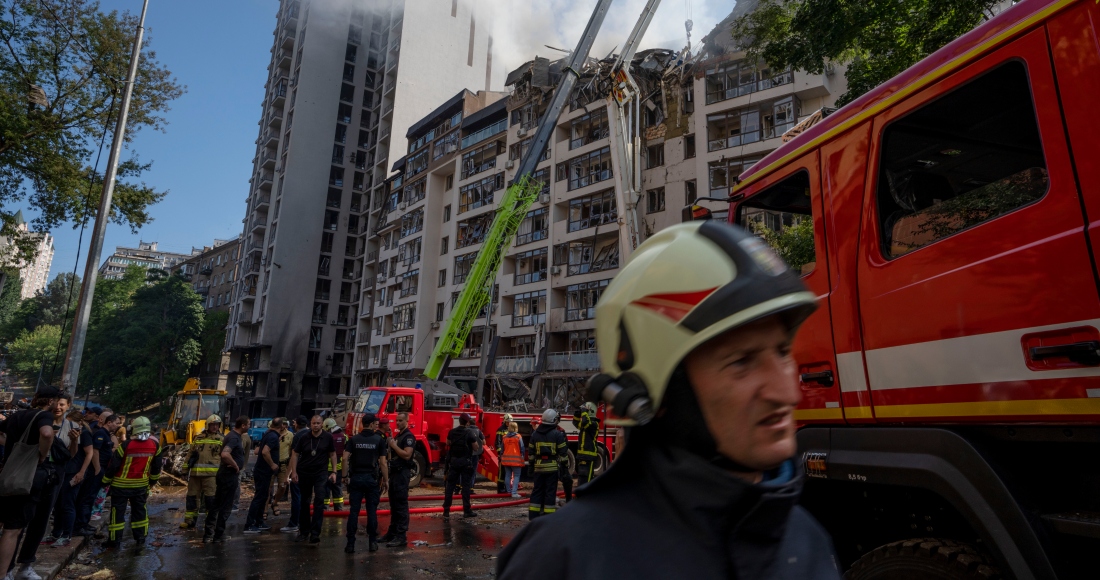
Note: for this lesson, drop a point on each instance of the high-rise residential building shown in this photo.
(145, 255)
(34, 274)
(703, 123)
(346, 81)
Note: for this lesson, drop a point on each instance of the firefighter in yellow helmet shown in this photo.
(202, 463)
(694, 338)
(334, 495)
(588, 425)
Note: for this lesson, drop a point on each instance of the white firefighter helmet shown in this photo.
(684, 286)
(213, 419)
(550, 416)
(329, 424)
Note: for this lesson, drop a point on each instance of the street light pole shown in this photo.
(95, 249)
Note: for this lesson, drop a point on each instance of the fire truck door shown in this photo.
(786, 208)
(976, 292)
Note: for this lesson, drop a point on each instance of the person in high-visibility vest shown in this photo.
(589, 426)
(202, 462)
(333, 492)
(512, 458)
(134, 467)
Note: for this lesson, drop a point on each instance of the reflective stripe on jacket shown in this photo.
(207, 452)
(135, 465)
(547, 448)
(590, 431)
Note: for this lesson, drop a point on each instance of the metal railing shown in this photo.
(515, 364)
(586, 360)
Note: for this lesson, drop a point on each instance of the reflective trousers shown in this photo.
(200, 491)
(585, 467)
(139, 517)
(544, 495)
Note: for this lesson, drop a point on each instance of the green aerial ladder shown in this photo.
(513, 208)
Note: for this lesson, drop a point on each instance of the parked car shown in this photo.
(258, 428)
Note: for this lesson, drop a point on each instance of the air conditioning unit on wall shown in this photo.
(555, 270)
(435, 326)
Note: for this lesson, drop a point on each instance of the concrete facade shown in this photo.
(340, 99)
(145, 255)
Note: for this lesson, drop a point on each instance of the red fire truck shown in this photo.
(951, 377)
(434, 408)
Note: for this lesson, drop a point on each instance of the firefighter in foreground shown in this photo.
(547, 450)
(694, 338)
(589, 426)
(133, 469)
(203, 463)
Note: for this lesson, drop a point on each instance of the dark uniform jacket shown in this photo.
(547, 447)
(662, 512)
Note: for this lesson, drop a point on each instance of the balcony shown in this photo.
(587, 360)
(266, 177)
(203, 291)
(248, 292)
(322, 270)
(270, 139)
(282, 59)
(206, 270)
(278, 94)
(515, 364)
(275, 119)
(470, 352)
(267, 160)
(342, 322)
(244, 317)
(320, 295)
(342, 346)
(287, 34)
(259, 226)
(352, 275)
(347, 299)
(263, 202)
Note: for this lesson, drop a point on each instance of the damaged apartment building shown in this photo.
(705, 118)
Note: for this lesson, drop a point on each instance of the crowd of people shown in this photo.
(57, 464)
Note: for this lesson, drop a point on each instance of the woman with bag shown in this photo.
(30, 435)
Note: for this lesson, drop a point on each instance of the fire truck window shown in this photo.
(963, 159)
(399, 404)
(782, 217)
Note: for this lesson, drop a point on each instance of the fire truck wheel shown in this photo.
(923, 559)
(602, 461)
(419, 470)
(572, 461)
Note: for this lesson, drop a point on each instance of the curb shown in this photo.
(51, 561)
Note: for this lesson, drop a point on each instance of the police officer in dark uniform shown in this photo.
(401, 463)
(589, 426)
(463, 443)
(546, 450)
(365, 473)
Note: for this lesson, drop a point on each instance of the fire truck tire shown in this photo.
(419, 470)
(923, 559)
(572, 461)
(602, 462)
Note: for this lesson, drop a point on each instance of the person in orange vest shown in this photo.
(498, 446)
(512, 458)
(133, 469)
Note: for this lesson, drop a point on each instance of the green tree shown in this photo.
(877, 38)
(35, 351)
(55, 306)
(213, 339)
(62, 65)
(794, 243)
(11, 296)
(140, 354)
(112, 295)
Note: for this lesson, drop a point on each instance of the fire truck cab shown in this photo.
(951, 376)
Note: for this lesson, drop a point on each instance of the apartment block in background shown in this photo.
(35, 274)
(145, 255)
(704, 122)
(346, 81)
(212, 273)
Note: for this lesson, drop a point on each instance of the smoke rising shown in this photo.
(522, 28)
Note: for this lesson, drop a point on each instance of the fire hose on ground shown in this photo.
(439, 509)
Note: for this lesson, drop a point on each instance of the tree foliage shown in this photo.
(213, 338)
(56, 306)
(794, 243)
(877, 38)
(35, 351)
(141, 354)
(11, 296)
(62, 67)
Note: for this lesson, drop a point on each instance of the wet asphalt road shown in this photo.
(455, 549)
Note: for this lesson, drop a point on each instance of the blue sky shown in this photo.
(219, 49)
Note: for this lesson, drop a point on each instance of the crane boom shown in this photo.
(511, 211)
(626, 120)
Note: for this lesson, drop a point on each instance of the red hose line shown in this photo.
(441, 497)
(439, 509)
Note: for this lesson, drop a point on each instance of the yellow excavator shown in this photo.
(190, 408)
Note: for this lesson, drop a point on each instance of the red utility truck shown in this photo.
(434, 408)
(951, 377)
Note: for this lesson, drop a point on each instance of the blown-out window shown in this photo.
(963, 159)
